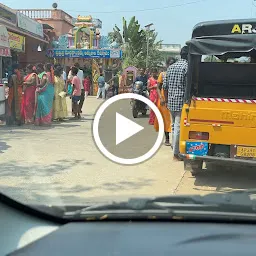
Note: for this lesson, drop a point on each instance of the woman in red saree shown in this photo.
(153, 95)
(28, 101)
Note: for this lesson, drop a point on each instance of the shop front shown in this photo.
(5, 54)
(17, 42)
(5, 51)
(35, 44)
(26, 36)
(17, 45)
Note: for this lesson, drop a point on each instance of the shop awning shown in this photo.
(23, 33)
(4, 42)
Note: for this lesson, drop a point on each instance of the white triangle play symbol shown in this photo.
(125, 128)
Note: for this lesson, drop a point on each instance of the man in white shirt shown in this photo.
(80, 74)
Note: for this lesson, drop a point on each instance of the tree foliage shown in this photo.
(133, 41)
(211, 59)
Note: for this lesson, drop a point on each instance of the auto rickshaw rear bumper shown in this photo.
(219, 160)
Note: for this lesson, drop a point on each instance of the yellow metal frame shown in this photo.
(238, 130)
(76, 35)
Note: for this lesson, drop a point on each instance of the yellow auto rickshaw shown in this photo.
(218, 121)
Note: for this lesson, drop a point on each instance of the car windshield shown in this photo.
(103, 103)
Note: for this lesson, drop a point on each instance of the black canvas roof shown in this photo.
(220, 37)
(219, 27)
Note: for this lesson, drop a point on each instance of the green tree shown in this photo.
(155, 58)
(211, 59)
(133, 41)
(130, 38)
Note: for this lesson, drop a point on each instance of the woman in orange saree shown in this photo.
(162, 105)
(28, 101)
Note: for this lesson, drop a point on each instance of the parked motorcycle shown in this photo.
(137, 105)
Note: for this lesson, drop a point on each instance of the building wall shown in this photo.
(69, 62)
(31, 55)
(61, 21)
(61, 27)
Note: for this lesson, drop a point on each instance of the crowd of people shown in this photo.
(39, 96)
(166, 91)
(107, 89)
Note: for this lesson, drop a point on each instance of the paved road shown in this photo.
(61, 165)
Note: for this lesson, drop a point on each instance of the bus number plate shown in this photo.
(246, 152)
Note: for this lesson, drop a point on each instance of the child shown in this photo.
(76, 93)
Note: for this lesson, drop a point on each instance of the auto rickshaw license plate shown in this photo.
(246, 152)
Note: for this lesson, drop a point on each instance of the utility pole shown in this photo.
(252, 8)
(147, 27)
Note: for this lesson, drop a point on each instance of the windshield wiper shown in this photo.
(238, 201)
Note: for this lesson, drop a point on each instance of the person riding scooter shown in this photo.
(144, 79)
(137, 105)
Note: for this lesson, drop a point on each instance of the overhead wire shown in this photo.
(142, 10)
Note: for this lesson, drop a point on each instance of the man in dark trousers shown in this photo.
(174, 86)
(115, 83)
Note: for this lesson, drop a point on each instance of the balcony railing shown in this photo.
(47, 14)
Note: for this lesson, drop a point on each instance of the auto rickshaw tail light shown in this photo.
(193, 135)
(186, 123)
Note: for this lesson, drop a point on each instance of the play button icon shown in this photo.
(122, 138)
(125, 128)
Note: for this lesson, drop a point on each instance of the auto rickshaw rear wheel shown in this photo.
(194, 166)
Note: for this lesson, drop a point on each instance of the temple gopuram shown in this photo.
(85, 44)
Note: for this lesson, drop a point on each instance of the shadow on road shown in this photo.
(32, 127)
(225, 179)
(9, 134)
(3, 147)
(27, 188)
(56, 193)
(67, 123)
(29, 172)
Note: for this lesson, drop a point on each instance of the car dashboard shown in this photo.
(23, 234)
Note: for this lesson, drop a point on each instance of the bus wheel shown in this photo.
(194, 166)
